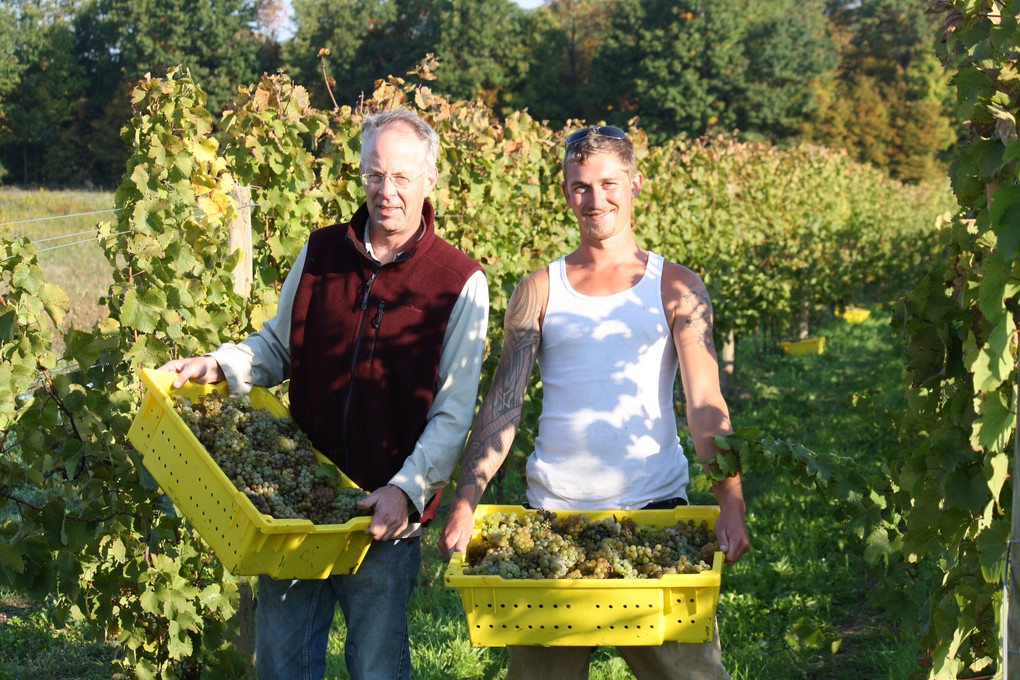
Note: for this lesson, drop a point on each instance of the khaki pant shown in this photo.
(669, 661)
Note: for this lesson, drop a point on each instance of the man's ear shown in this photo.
(432, 177)
(636, 182)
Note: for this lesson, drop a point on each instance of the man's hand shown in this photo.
(459, 527)
(731, 531)
(389, 512)
(202, 370)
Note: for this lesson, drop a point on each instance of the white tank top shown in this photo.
(607, 435)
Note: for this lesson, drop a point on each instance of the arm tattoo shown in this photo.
(699, 317)
(500, 413)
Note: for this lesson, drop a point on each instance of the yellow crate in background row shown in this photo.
(801, 348)
(247, 542)
(853, 314)
(568, 612)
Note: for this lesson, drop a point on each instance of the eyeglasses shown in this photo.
(376, 179)
(601, 130)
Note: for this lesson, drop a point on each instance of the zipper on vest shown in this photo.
(376, 322)
(354, 359)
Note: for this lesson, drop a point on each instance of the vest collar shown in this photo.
(357, 233)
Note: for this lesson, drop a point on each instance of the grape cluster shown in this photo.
(269, 459)
(540, 544)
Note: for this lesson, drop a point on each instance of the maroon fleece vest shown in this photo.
(365, 343)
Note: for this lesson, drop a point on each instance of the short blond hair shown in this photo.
(595, 144)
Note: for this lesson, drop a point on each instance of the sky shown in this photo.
(526, 4)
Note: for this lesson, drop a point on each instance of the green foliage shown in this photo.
(480, 46)
(853, 75)
(212, 38)
(889, 103)
(91, 533)
(43, 113)
(960, 325)
(697, 67)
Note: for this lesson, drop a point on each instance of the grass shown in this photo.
(67, 256)
(31, 649)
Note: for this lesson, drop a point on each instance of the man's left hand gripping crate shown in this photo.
(247, 542)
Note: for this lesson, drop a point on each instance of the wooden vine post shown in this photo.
(239, 237)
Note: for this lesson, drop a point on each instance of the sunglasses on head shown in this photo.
(601, 130)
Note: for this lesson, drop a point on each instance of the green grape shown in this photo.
(269, 459)
(539, 545)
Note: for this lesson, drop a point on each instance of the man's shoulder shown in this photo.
(674, 274)
(448, 256)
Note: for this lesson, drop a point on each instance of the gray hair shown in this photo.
(375, 123)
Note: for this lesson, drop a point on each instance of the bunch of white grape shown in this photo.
(540, 544)
(269, 459)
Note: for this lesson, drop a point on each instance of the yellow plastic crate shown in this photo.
(854, 314)
(582, 612)
(247, 542)
(801, 348)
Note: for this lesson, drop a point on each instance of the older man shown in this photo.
(380, 328)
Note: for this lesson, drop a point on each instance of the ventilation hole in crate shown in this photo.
(598, 606)
(530, 627)
(516, 605)
(502, 606)
(529, 605)
(598, 627)
(570, 627)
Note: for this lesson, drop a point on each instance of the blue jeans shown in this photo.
(294, 617)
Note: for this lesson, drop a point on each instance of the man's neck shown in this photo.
(385, 247)
(616, 251)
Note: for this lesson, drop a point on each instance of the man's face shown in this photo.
(601, 193)
(395, 151)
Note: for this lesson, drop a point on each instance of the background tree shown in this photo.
(43, 112)
(481, 50)
(116, 42)
(564, 38)
(699, 66)
(788, 53)
(10, 65)
(889, 102)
